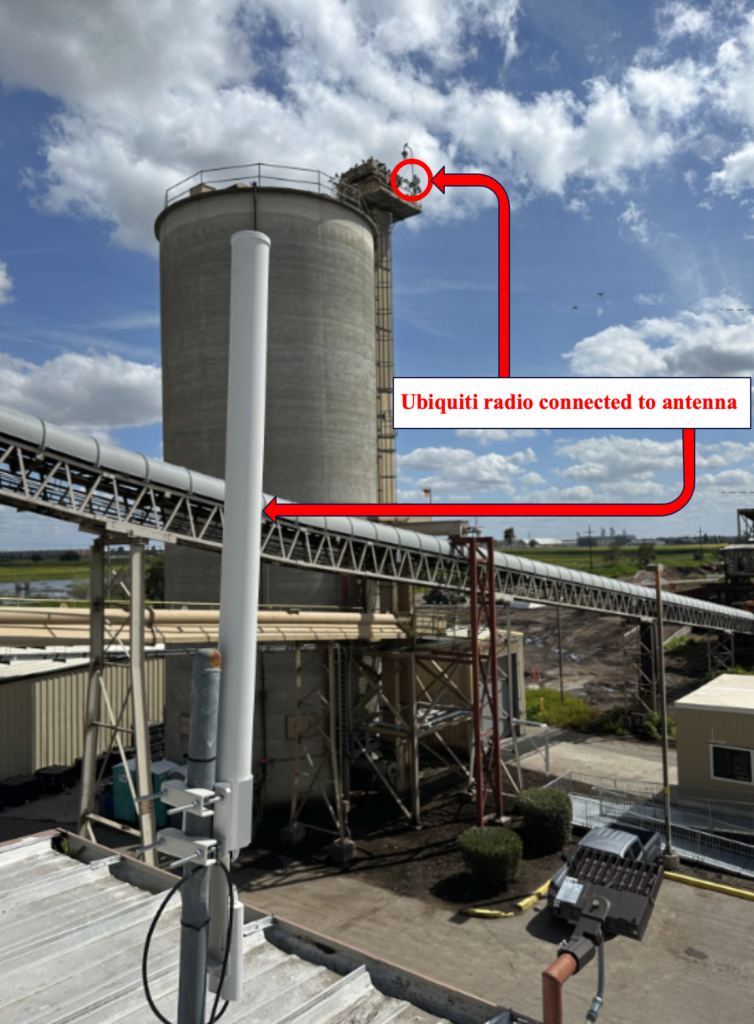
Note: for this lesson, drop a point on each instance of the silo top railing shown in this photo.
(305, 178)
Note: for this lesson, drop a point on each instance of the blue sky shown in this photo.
(624, 134)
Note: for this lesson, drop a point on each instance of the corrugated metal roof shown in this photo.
(71, 947)
(728, 692)
(41, 667)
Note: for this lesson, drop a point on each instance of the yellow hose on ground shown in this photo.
(537, 895)
(483, 912)
(523, 904)
(701, 883)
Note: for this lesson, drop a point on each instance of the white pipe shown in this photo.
(239, 592)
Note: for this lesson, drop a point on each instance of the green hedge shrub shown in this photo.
(492, 855)
(548, 815)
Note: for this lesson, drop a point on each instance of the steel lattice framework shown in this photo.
(36, 480)
(301, 545)
(488, 767)
(37, 477)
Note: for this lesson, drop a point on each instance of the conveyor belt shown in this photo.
(60, 473)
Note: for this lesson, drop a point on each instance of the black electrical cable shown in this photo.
(229, 934)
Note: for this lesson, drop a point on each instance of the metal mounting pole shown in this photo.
(413, 743)
(512, 687)
(670, 859)
(202, 752)
(560, 655)
(144, 808)
(479, 780)
(96, 668)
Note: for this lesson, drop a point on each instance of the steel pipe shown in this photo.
(195, 894)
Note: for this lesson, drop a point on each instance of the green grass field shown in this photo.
(52, 569)
(681, 555)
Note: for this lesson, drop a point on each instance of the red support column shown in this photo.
(488, 772)
(479, 773)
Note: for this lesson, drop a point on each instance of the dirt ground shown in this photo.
(600, 655)
(421, 863)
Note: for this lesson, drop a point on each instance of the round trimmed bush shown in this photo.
(492, 855)
(548, 815)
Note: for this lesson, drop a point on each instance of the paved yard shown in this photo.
(696, 963)
(598, 755)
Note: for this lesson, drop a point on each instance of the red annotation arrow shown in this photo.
(273, 509)
(442, 181)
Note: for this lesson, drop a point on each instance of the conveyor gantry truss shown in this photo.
(70, 476)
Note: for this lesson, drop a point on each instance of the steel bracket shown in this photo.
(192, 801)
(174, 843)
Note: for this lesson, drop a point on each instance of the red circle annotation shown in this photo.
(403, 195)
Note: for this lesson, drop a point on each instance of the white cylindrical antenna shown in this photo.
(239, 592)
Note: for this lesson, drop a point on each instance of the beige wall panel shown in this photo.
(695, 731)
(42, 720)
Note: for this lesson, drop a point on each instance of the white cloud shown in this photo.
(731, 89)
(634, 221)
(577, 206)
(447, 469)
(144, 321)
(91, 392)
(723, 454)
(737, 172)
(680, 19)
(150, 93)
(487, 436)
(6, 284)
(674, 90)
(735, 480)
(579, 494)
(25, 531)
(709, 342)
(612, 459)
(649, 300)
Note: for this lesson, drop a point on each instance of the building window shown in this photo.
(734, 764)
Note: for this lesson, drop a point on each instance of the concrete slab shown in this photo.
(608, 756)
(694, 965)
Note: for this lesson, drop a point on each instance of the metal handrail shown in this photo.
(611, 801)
(253, 174)
(546, 729)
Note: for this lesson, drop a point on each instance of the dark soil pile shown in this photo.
(421, 863)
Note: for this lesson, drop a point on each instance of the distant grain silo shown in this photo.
(322, 378)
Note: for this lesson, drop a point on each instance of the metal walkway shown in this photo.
(56, 472)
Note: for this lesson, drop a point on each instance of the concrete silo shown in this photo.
(321, 434)
(330, 250)
(320, 429)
